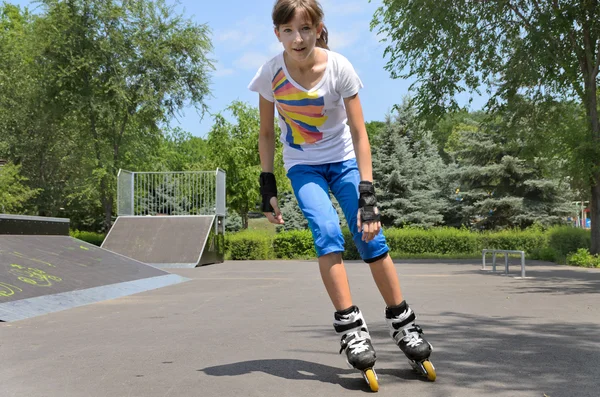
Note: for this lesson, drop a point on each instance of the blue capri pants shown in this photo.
(311, 185)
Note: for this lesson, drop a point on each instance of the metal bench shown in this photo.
(505, 252)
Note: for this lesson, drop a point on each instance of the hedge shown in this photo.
(88, 237)
(554, 244)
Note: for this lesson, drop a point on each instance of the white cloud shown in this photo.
(234, 39)
(340, 40)
(251, 60)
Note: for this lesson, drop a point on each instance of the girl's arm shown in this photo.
(360, 139)
(362, 148)
(266, 136)
(266, 150)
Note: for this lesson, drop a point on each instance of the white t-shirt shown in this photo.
(313, 123)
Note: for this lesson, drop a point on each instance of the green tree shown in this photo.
(180, 150)
(14, 192)
(499, 189)
(374, 129)
(546, 51)
(121, 69)
(408, 173)
(233, 147)
(31, 122)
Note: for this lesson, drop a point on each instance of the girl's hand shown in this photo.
(275, 216)
(268, 191)
(368, 213)
(369, 229)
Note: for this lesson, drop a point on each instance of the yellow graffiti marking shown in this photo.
(84, 248)
(33, 276)
(21, 256)
(8, 289)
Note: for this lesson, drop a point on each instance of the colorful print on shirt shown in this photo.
(301, 111)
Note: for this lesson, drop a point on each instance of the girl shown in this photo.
(325, 146)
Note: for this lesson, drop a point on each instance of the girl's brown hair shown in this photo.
(284, 10)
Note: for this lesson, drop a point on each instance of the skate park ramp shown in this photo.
(51, 271)
(168, 241)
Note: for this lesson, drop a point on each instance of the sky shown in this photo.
(243, 39)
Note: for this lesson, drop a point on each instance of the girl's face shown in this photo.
(299, 36)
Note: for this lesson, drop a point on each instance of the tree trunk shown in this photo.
(107, 203)
(594, 125)
(245, 220)
(595, 214)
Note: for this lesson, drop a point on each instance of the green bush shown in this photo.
(350, 251)
(583, 258)
(438, 240)
(566, 240)
(546, 253)
(552, 245)
(249, 245)
(294, 244)
(522, 240)
(88, 237)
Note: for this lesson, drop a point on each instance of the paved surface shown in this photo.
(264, 329)
(42, 274)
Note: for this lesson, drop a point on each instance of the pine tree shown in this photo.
(498, 188)
(166, 198)
(408, 173)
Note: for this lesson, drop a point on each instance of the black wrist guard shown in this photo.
(367, 202)
(268, 189)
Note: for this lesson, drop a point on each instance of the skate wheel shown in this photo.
(371, 378)
(431, 375)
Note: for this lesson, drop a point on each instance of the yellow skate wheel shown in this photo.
(430, 370)
(372, 380)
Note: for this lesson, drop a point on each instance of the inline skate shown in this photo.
(407, 335)
(356, 343)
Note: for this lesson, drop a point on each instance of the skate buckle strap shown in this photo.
(356, 341)
(347, 327)
(399, 324)
(411, 330)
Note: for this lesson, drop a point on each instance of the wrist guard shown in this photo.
(268, 189)
(367, 202)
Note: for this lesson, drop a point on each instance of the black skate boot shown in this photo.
(407, 335)
(356, 342)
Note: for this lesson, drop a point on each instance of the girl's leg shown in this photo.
(399, 316)
(386, 278)
(312, 192)
(311, 188)
(345, 178)
(333, 273)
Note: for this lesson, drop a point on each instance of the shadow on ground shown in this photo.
(554, 280)
(496, 355)
(305, 370)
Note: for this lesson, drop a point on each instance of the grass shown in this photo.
(261, 225)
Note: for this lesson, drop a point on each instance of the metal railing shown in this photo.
(171, 193)
(505, 252)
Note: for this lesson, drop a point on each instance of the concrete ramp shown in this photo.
(168, 241)
(43, 274)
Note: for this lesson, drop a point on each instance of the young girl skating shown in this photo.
(326, 147)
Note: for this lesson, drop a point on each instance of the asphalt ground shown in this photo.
(264, 328)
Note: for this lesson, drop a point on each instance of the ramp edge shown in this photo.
(31, 307)
(173, 265)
